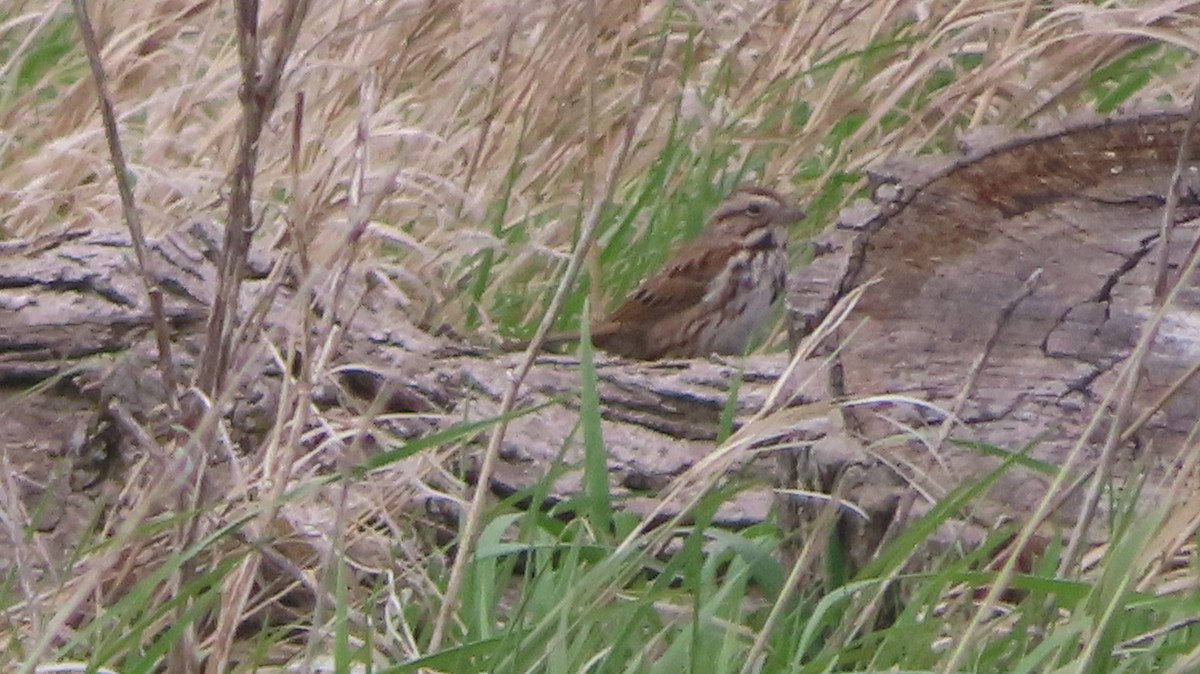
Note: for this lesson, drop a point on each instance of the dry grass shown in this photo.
(490, 128)
(500, 116)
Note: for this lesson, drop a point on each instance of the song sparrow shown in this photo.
(710, 297)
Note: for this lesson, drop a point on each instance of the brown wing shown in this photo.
(679, 286)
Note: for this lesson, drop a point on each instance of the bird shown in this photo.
(714, 292)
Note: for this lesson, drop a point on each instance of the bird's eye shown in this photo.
(754, 209)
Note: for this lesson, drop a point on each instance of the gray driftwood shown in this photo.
(1012, 283)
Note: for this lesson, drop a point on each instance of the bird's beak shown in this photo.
(790, 216)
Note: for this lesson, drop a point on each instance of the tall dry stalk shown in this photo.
(258, 94)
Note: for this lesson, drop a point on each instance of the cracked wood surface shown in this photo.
(959, 320)
(953, 242)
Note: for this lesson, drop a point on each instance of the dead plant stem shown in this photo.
(259, 93)
(1055, 495)
(133, 220)
(470, 529)
(1168, 223)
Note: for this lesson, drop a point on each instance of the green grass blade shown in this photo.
(595, 461)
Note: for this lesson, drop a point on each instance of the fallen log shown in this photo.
(1008, 285)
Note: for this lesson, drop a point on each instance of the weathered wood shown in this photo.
(958, 311)
(953, 240)
(76, 314)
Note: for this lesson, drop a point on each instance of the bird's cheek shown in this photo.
(764, 239)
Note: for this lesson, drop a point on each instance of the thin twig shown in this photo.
(470, 530)
(972, 377)
(133, 220)
(259, 93)
(1055, 495)
(1006, 52)
(1162, 400)
(275, 472)
(1147, 638)
(335, 553)
(1168, 221)
(298, 225)
(129, 527)
(1133, 370)
(490, 107)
